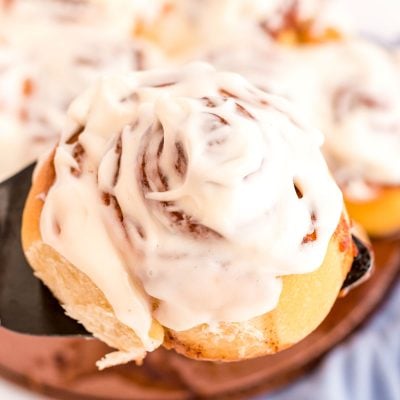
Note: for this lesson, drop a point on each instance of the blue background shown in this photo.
(366, 367)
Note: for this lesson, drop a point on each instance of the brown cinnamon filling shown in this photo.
(78, 154)
(166, 84)
(163, 179)
(110, 200)
(311, 237)
(216, 142)
(243, 111)
(181, 160)
(256, 95)
(187, 224)
(144, 180)
(75, 135)
(118, 152)
(345, 240)
(208, 102)
(299, 193)
(219, 121)
(226, 93)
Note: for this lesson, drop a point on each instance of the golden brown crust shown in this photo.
(304, 302)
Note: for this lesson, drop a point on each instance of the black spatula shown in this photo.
(26, 305)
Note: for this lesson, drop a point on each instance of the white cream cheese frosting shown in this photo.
(349, 89)
(186, 194)
(49, 52)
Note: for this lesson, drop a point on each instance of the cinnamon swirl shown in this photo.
(187, 208)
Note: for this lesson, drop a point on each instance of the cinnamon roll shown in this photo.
(364, 136)
(187, 208)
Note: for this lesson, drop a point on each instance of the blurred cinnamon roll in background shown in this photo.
(350, 90)
(49, 52)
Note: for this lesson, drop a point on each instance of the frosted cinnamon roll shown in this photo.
(364, 136)
(49, 52)
(187, 208)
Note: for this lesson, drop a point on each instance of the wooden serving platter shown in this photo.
(63, 367)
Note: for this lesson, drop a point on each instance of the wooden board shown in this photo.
(64, 367)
